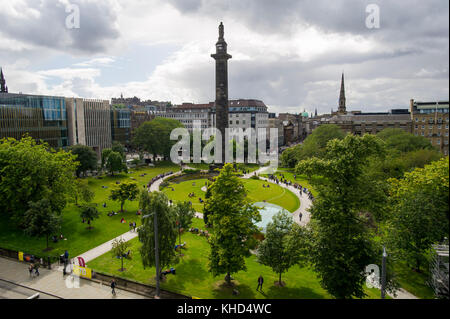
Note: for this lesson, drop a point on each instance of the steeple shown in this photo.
(315, 113)
(3, 87)
(342, 108)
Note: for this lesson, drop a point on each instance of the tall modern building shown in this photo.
(221, 104)
(121, 125)
(89, 123)
(41, 117)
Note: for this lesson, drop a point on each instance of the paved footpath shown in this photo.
(305, 202)
(52, 282)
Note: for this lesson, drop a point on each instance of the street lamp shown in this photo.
(155, 224)
(383, 274)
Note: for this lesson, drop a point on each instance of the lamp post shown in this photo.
(155, 224)
(383, 274)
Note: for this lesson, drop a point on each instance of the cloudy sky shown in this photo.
(288, 53)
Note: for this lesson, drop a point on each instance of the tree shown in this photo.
(82, 191)
(206, 212)
(41, 220)
(150, 204)
(87, 158)
(105, 154)
(30, 172)
(154, 136)
(184, 214)
(419, 211)
(281, 248)
(341, 243)
(115, 163)
(232, 218)
(403, 141)
(119, 148)
(119, 248)
(124, 191)
(89, 213)
(313, 146)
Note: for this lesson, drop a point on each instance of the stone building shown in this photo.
(430, 119)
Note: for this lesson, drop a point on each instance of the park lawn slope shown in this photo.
(79, 238)
(193, 278)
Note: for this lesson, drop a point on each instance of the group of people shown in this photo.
(34, 267)
(266, 186)
(200, 232)
(154, 179)
(133, 226)
(283, 180)
(56, 238)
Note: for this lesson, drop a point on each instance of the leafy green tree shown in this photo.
(41, 220)
(419, 211)
(105, 154)
(150, 204)
(115, 163)
(206, 212)
(87, 158)
(232, 218)
(403, 141)
(281, 248)
(119, 249)
(89, 213)
(30, 172)
(82, 191)
(184, 213)
(124, 191)
(154, 136)
(341, 243)
(119, 148)
(313, 146)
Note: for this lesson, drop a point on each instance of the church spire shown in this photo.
(342, 108)
(3, 87)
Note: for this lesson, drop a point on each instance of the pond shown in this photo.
(267, 211)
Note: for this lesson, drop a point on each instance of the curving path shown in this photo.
(305, 202)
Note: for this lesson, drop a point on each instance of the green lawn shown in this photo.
(413, 282)
(79, 238)
(256, 193)
(193, 279)
(299, 179)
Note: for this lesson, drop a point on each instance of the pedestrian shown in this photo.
(260, 282)
(301, 215)
(36, 269)
(134, 226)
(113, 287)
(30, 269)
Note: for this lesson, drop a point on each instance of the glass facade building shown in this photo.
(42, 117)
(121, 126)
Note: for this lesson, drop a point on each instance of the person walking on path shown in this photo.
(260, 283)
(30, 269)
(113, 286)
(36, 269)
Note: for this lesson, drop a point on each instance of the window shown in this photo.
(231, 122)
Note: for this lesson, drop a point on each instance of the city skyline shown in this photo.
(290, 57)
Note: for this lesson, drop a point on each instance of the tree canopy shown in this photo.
(87, 158)
(341, 244)
(124, 191)
(154, 136)
(313, 146)
(30, 172)
(419, 211)
(150, 204)
(232, 217)
(283, 244)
